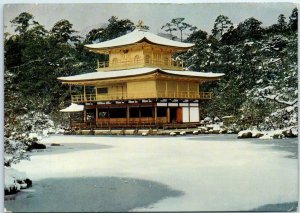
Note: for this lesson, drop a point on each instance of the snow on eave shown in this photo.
(136, 36)
(107, 75)
(195, 74)
(136, 72)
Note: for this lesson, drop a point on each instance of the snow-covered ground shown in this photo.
(219, 174)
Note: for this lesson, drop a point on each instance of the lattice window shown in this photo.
(159, 58)
(166, 61)
(147, 59)
(115, 61)
(102, 90)
(137, 59)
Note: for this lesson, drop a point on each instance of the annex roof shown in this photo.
(137, 36)
(135, 72)
(73, 108)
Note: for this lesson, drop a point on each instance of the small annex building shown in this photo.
(139, 86)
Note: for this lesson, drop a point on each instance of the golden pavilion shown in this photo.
(140, 85)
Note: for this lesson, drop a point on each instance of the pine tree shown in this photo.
(221, 25)
(250, 29)
(180, 25)
(63, 32)
(293, 24)
(169, 28)
(23, 21)
(282, 24)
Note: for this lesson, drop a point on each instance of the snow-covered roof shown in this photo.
(134, 72)
(136, 36)
(194, 73)
(73, 108)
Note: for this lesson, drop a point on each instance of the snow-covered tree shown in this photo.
(260, 67)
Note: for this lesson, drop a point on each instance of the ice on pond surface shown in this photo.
(103, 194)
(213, 173)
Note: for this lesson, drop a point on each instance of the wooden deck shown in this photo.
(131, 64)
(122, 125)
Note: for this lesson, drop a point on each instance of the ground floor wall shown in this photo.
(144, 113)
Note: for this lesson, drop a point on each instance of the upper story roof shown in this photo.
(136, 36)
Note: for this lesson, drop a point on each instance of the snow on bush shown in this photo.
(183, 133)
(195, 132)
(245, 134)
(173, 133)
(14, 181)
(14, 150)
(266, 137)
(207, 120)
(294, 131)
(25, 134)
(37, 122)
(216, 119)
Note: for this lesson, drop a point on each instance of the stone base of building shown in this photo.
(141, 132)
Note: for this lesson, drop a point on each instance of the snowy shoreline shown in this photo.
(269, 135)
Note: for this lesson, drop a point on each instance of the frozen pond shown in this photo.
(89, 194)
(190, 173)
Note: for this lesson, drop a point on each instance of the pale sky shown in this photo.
(87, 16)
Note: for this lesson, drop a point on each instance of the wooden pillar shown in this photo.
(84, 115)
(189, 112)
(168, 114)
(152, 56)
(155, 113)
(188, 90)
(96, 113)
(108, 115)
(198, 93)
(160, 57)
(166, 91)
(152, 112)
(84, 95)
(199, 111)
(177, 91)
(96, 93)
(140, 114)
(70, 91)
(70, 124)
(127, 114)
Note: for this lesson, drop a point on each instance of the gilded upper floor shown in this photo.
(138, 49)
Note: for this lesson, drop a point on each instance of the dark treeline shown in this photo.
(260, 65)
